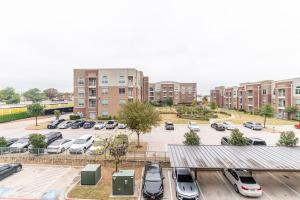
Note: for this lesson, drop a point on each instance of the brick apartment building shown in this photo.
(180, 93)
(252, 96)
(101, 92)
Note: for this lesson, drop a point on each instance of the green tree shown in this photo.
(3, 142)
(194, 103)
(34, 95)
(139, 117)
(35, 110)
(51, 93)
(291, 110)
(191, 138)
(213, 105)
(288, 139)
(117, 150)
(38, 142)
(237, 138)
(9, 96)
(57, 114)
(168, 102)
(267, 111)
(204, 101)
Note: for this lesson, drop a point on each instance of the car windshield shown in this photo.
(79, 141)
(152, 176)
(22, 140)
(259, 143)
(57, 142)
(110, 122)
(247, 180)
(257, 124)
(185, 178)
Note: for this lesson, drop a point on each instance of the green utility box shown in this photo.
(91, 174)
(123, 182)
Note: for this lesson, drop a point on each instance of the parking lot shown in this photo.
(36, 181)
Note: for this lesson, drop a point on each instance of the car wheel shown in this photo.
(236, 188)
(19, 168)
(62, 150)
(84, 150)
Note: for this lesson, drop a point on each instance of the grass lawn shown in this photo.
(103, 189)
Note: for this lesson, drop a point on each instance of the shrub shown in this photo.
(288, 139)
(57, 114)
(104, 118)
(38, 143)
(237, 138)
(191, 138)
(14, 116)
(74, 117)
(3, 142)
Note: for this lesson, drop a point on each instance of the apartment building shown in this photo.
(217, 96)
(101, 92)
(180, 93)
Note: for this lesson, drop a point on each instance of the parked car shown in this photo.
(243, 182)
(229, 125)
(9, 169)
(185, 186)
(193, 126)
(20, 145)
(169, 126)
(98, 147)
(297, 126)
(89, 124)
(218, 126)
(225, 140)
(77, 124)
(253, 125)
(122, 126)
(55, 123)
(111, 124)
(153, 186)
(10, 141)
(49, 138)
(65, 125)
(255, 141)
(81, 144)
(59, 146)
(99, 125)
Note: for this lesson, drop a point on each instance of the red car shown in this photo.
(297, 126)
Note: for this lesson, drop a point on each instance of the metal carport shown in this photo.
(216, 157)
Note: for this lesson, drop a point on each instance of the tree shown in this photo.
(288, 139)
(139, 117)
(51, 93)
(168, 101)
(267, 111)
(34, 95)
(204, 101)
(3, 142)
(117, 150)
(213, 105)
(9, 96)
(191, 138)
(194, 103)
(57, 114)
(291, 110)
(35, 110)
(38, 143)
(237, 138)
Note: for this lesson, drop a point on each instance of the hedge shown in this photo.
(14, 116)
(74, 117)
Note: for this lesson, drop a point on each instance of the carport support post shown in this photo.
(195, 173)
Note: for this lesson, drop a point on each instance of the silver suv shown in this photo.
(186, 187)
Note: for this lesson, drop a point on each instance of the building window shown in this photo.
(130, 79)
(298, 102)
(264, 91)
(92, 103)
(122, 79)
(250, 93)
(104, 91)
(81, 92)
(104, 102)
(104, 79)
(281, 103)
(298, 114)
(92, 81)
(122, 101)
(298, 90)
(130, 92)
(281, 92)
(104, 114)
(121, 91)
(80, 81)
(81, 102)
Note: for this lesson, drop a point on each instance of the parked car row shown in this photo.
(97, 125)
(249, 141)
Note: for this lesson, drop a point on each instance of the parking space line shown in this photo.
(226, 185)
(297, 193)
(170, 185)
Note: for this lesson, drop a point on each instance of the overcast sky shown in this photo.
(211, 42)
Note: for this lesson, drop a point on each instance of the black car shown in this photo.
(218, 126)
(55, 123)
(78, 124)
(49, 138)
(169, 126)
(255, 141)
(225, 140)
(89, 124)
(153, 187)
(9, 169)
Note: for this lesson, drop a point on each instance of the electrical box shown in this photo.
(91, 174)
(123, 182)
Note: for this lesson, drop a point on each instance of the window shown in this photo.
(81, 102)
(298, 90)
(281, 92)
(104, 79)
(281, 103)
(264, 91)
(122, 79)
(104, 114)
(92, 81)
(250, 92)
(130, 92)
(130, 79)
(81, 92)
(298, 114)
(104, 102)
(92, 92)
(92, 103)
(80, 81)
(298, 102)
(122, 101)
(121, 91)
(104, 91)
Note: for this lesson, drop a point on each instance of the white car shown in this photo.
(229, 125)
(99, 125)
(59, 146)
(193, 126)
(81, 144)
(98, 148)
(122, 126)
(243, 182)
(65, 125)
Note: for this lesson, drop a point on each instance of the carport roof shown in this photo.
(216, 157)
